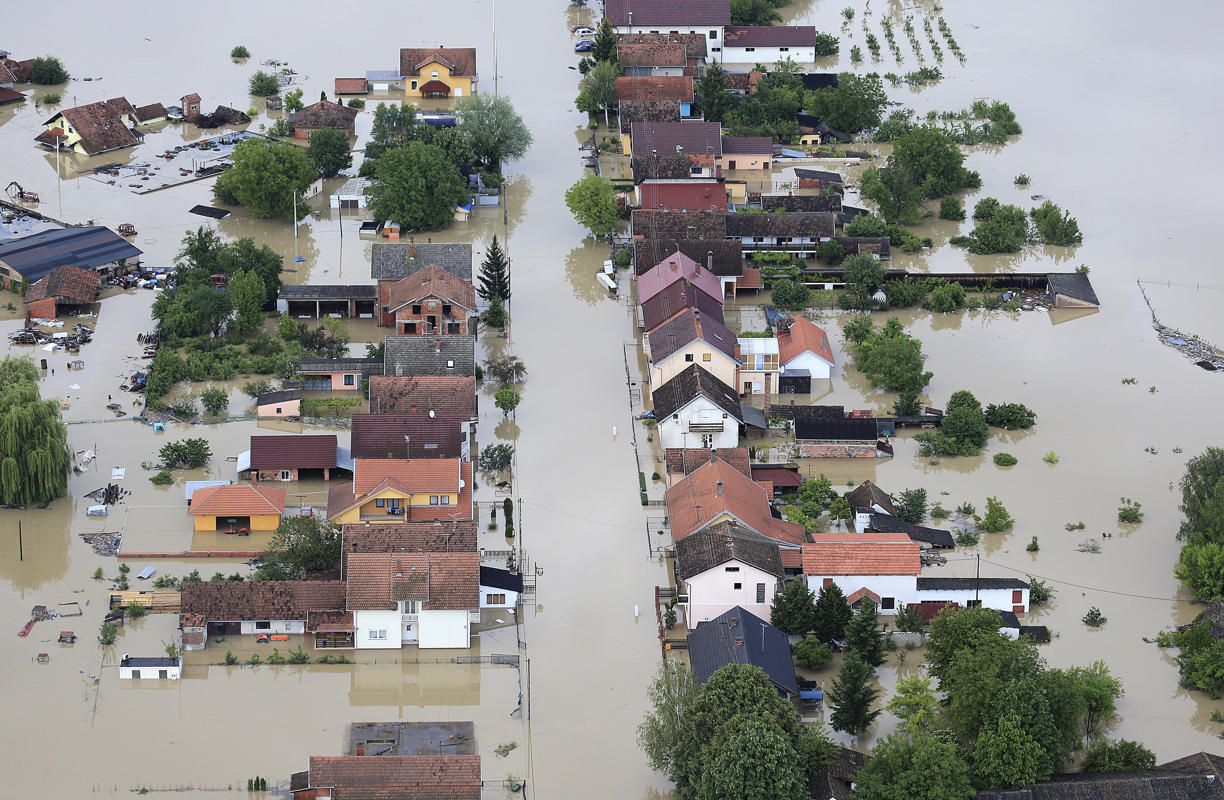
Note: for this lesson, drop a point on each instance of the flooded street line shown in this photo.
(1070, 75)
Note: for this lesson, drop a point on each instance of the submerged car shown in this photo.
(584, 46)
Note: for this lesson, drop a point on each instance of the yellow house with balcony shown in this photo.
(438, 72)
(393, 490)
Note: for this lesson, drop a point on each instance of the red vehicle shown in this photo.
(126, 229)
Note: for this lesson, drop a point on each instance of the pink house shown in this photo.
(286, 404)
(746, 152)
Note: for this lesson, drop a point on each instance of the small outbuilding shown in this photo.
(324, 115)
(161, 668)
(1072, 290)
(64, 287)
(285, 404)
(256, 508)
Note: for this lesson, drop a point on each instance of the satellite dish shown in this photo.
(432, 414)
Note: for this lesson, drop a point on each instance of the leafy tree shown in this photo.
(494, 129)
(47, 70)
(831, 615)
(757, 761)
(793, 610)
(293, 100)
(108, 633)
(909, 619)
(205, 254)
(246, 293)
(265, 178)
(954, 630)
(494, 278)
(933, 158)
(839, 509)
(394, 126)
(964, 420)
(34, 455)
(911, 505)
(1202, 493)
(770, 111)
(946, 297)
(895, 191)
(915, 705)
(714, 98)
(754, 12)
(418, 187)
(1010, 416)
(811, 653)
(852, 695)
(830, 252)
(855, 104)
(865, 633)
(951, 208)
(982, 675)
(301, 546)
(592, 201)
(907, 404)
(1000, 229)
(605, 43)
(506, 399)
(186, 454)
(1006, 756)
(1100, 691)
(263, 84)
(1056, 226)
(997, 519)
(1123, 755)
(214, 400)
(815, 494)
(892, 359)
(328, 150)
(791, 294)
(919, 768)
(597, 90)
(1201, 567)
(506, 368)
(858, 329)
(867, 225)
(496, 457)
(672, 693)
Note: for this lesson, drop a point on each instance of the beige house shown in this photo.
(689, 338)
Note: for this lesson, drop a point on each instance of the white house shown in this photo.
(427, 599)
(499, 588)
(695, 409)
(769, 44)
(251, 608)
(158, 668)
(882, 566)
(804, 347)
(351, 194)
(707, 17)
(724, 566)
(759, 362)
(1001, 594)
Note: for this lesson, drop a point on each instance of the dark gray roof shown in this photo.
(38, 254)
(1166, 782)
(835, 428)
(867, 494)
(1009, 620)
(396, 260)
(671, 226)
(935, 584)
(739, 637)
(816, 224)
(150, 661)
(278, 397)
(802, 202)
(836, 780)
(674, 297)
(718, 544)
(887, 523)
(501, 579)
(686, 326)
(754, 417)
(689, 384)
(723, 257)
(407, 435)
(878, 246)
(1040, 634)
(429, 355)
(817, 175)
(1072, 284)
(368, 366)
(819, 80)
(329, 292)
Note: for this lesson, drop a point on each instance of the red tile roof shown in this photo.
(70, 284)
(352, 86)
(858, 557)
(326, 114)
(7, 95)
(751, 279)
(651, 54)
(804, 336)
(459, 60)
(719, 488)
(433, 281)
(313, 451)
(792, 558)
(433, 777)
(440, 581)
(683, 196)
(860, 594)
(681, 461)
(442, 394)
(660, 87)
(237, 500)
(417, 476)
(341, 497)
(329, 621)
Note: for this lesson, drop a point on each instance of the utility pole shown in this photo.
(977, 581)
(20, 543)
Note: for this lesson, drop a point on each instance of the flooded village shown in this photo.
(472, 477)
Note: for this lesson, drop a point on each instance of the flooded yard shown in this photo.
(1087, 100)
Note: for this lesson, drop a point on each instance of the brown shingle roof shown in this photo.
(352, 86)
(867, 494)
(70, 284)
(341, 497)
(675, 296)
(656, 87)
(743, 82)
(689, 384)
(326, 114)
(442, 394)
(660, 165)
(718, 544)
(410, 537)
(460, 60)
(120, 105)
(694, 43)
(682, 461)
(692, 138)
(726, 255)
(651, 54)
(631, 111)
(100, 127)
(433, 777)
(329, 621)
(816, 224)
(769, 36)
(314, 451)
(433, 281)
(407, 435)
(237, 500)
(151, 111)
(686, 326)
(670, 225)
(441, 581)
(801, 202)
(231, 601)
(718, 488)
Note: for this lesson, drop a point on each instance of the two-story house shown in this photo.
(676, 296)
(689, 338)
(759, 364)
(402, 490)
(706, 17)
(718, 492)
(96, 127)
(438, 72)
(453, 355)
(798, 233)
(427, 599)
(430, 302)
(421, 435)
(699, 142)
(695, 409)
(724, 566)
(804, 349)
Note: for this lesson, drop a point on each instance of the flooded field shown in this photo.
(1085, 98)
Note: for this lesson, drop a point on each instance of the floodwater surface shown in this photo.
(1093, 112)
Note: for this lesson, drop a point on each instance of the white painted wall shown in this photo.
(998, 599)
(902, 588)
(713, 592)
(294, 626)
(377, 621)
(817, 366)
(445, 629)
(150, 673)
(511, 597)
(768, 55)
(673, 430)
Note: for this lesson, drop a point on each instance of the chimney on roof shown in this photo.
(713, 453)
(718, 490)
(399, 568)
(354, 547)
(672, 264)
(437, 345)
(361, 749)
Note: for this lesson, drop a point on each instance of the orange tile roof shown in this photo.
(438, 580)
(237, 500)
(792, 558)
(697, 499)
(658, 87)
(860, 594)
(416, 475)
(413, 774)
(802, 337)
(341, 496)
(862, 558)
(870, 537)
(433, 281)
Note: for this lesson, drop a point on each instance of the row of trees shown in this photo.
(1005, 228)
(268, 175)
(966, 425)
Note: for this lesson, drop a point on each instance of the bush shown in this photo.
(951, 208)
(1106, 756)
(356, 102)
(826, 44)
(946, 297)
(811, 653)
(215, 400)
(162, 478)
(905, 292)
(830, 252)
(1094, 618)
(230, 658)
(1032, 547)
(240, 52)
(1056, 226)
(1039, 591)
(262, 84)
(189, 454)
(939, 512)
(1129, 511)
(966, 538)
(47, 70)
(1005, 459)
(254, 389)
(791, 294)
(1010, 416)
(108, 633)
(1050, 457)
(997, 519)
(185, 408)
(623, 257)
(496, 458)
(276, 657)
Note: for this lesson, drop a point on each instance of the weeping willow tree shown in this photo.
(34, 454)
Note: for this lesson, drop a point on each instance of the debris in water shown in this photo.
(1090, 546)
(503, 750)
(103, 544)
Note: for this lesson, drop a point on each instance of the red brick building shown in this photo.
(65, 286)
(429, 302)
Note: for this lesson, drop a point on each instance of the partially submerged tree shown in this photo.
(328, 150)
(301, 546)
(47, 70)
(592, 201)
(597, 90)
(852, 695)
(418, 187)
(185, 454)
(34, 455)
(263, 84)
(672, 693)
(494, 278)
(494, 129)
(266, 177)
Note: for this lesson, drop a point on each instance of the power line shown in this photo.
(1086, 588)
(579, 516)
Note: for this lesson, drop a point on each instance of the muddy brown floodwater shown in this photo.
(1120, 112)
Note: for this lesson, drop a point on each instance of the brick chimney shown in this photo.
(361, 749)
(437, 345)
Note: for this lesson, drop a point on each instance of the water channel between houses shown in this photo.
(1071, 76)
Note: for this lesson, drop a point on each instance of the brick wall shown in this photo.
(837, 450)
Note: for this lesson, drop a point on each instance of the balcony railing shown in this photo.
(705, 427)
